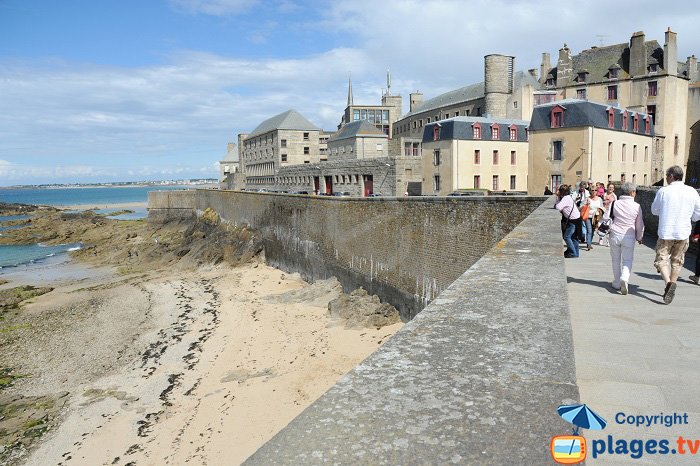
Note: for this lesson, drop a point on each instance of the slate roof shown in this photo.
(357, 128)
(463, 128)
(231, 156)
(597, 61)
(291, 119)
(469, 93)
(579, 113)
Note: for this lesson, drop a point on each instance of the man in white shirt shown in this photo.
(676, 205)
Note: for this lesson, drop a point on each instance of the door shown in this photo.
(368, 184)
(329, 185)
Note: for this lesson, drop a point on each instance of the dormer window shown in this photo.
(613, 72)
(635, 123)
(513, 132)
(557, 116)
(611, 117)
(550, 81)
(495, 132)
(654, 68)
(625, 120)
(647, 121)
(582, 76)
(436, 132)
(477, 130)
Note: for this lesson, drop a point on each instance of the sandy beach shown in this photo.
(171, 366)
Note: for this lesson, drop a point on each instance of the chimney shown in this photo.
(692, 65)
(564, 67)
(671, 53)
(416, 100)
(545, 66)
(638, 55)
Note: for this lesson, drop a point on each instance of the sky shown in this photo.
(129, 90)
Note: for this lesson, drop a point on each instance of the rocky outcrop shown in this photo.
(320, 293)
(360, 310)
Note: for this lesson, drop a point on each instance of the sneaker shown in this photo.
(694, 279)
(623, 287)
(670, 292)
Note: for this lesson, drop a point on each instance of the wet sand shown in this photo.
(197, 366)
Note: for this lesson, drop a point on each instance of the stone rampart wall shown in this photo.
(475, 378)
(405, 250)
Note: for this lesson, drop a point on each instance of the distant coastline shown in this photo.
(118, 184)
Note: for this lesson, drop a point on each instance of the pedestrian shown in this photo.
(609, 197)
(570, 220)
(677, 205)
(601, 189)
(627, 227)
(695, 238)
(594, 205)
(547, 191)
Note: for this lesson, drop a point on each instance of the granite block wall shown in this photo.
(405, 250)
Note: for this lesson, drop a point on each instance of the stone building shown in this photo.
(578, 140)
(504, 93)
(475, 153)
(384, 176)
(643, 77)
(284, 139)
(358, 140)
(382, 116)
(358, 164)
(228, 166)
(287, 153)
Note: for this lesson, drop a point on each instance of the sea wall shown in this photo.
(405, 250)
(475, 378)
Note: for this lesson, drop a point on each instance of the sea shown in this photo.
(105, 199)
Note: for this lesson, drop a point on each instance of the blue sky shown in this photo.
(105, 90)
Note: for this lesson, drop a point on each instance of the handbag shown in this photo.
(585, 211)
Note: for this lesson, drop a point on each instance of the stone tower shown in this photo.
(498, 84)
(416, 100)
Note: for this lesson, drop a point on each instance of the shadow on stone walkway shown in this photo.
(634, 354)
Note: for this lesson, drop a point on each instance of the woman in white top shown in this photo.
(595, 212)
(608, 198)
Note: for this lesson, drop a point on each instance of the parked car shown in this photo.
(298, 192)
(341, 194)
(375, 195)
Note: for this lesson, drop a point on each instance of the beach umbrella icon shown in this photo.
(582, 417)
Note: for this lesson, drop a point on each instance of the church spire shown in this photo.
(349, 90)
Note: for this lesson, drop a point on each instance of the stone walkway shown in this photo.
(634, 354)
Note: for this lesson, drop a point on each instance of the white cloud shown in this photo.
(156, 120)
(166, 119)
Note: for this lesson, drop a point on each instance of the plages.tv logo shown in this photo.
(571, 449)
